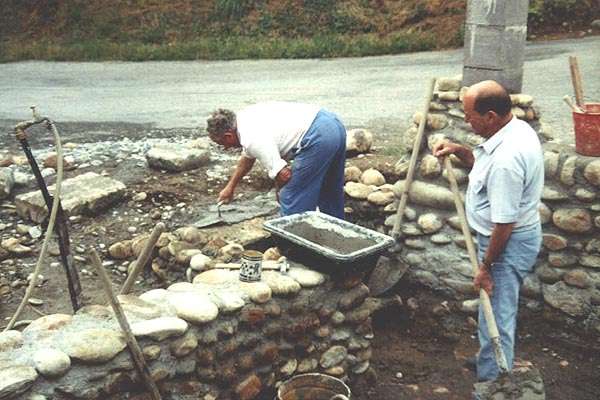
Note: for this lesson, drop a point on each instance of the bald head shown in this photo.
(490, 96)
(487, 107)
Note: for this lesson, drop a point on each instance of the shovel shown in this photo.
(211, 220)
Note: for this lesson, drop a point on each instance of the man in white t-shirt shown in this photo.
(278, 132)
(502, 201)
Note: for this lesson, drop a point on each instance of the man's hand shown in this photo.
(226, 195)
(483, 280)
(443, 149)
(283, 177)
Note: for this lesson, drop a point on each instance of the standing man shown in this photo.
(502, 200)
(277, 132)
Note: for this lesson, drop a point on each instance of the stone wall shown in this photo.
(567, 274)
(214, 338)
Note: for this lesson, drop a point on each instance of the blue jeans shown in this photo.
(318, 170)
(508, 272)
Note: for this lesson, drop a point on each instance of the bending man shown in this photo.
(278, 132)
(502, 200)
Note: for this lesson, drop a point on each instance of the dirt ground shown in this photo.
(419, 351)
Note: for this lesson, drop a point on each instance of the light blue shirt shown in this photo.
(506, 182)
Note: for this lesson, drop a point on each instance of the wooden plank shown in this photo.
(576, 79)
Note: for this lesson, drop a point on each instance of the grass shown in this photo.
(221, 48)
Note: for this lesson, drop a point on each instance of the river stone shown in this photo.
(136, 308)
(289, 367)
(307, 365)
(50, 322)
(160, 328)
(561, 259)
(121, 250)
(259, 292)
(434, 121)
(95, 345)
(359, 140)
(551, 163)
(430, 167)
(306, 277)
(567, 173)
(448, 96)
(585, 195)
(10, 339)
(184, 256)
(568, 299)
(577, 278)
(440, 238)
(545, 213)
(573, 220)
(176, 158)
(272, 254)
(177, 246)
(227, 301)
(381, 198)
(192, 235)
(429, 223)
(590, 261)
(446, 84)
(185, 345)
(427, 194)
(550, 194)
(88, 193)
(518, 112)
(193, 307)
(280, 284)
(15, 380)
(532, 286)
(548, 274)
(231, 250)
(7, 182)
(401, 168)
(217, 277)
(154, 296)
(593, 246)
(592, 173)
(333, 356)
(51, 362)
(554, 242)
(372, 177)
(14, 246)
(352, 174)
(357, 190)
(200, 262)
(435, 106)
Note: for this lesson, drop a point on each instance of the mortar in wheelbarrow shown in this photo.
(342, 243)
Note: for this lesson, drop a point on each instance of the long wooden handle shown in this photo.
(483, 296)
(576, 79)
(401, 205)
(143, 258)
(134, 348)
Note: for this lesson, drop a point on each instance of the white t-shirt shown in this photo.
(506, 182)
(268, 131)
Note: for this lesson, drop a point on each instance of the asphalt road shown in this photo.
(376, 92)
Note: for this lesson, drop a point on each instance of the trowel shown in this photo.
(211, 220)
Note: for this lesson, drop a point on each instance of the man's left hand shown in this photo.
(483, 280)
(283, 177)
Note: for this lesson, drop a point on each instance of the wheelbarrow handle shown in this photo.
(339, 397)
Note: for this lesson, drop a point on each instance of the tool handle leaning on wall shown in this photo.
(401, 205)
(483, 296)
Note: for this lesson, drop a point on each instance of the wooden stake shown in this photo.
(134, 348)
(143, 258)
(576, 79)
(483, 296)
(401, 205)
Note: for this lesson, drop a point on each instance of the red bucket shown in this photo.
(587, 130)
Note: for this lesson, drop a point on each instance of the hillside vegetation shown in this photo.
(227, 29)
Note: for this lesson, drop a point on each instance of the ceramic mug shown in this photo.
(251, 268)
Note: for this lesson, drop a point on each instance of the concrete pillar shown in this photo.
(495, 35)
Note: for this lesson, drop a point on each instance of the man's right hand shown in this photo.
(444, 149)
(226, 195)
